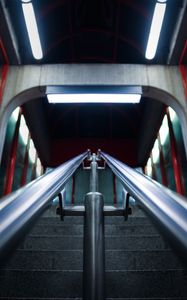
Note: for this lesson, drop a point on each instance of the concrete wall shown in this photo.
(162, 83)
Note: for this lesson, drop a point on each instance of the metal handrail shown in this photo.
(20, 210)
(167, 209)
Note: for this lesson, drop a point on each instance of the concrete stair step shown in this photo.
(80, 220)
(73, 260)
(165, 298)
(141, 260)
(119, 284)
(148, 298)
(42, 284)
(142, 284)
(77, 229)
(132, 242)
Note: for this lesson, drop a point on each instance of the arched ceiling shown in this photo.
(69, 129)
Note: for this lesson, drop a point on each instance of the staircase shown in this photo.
(48, 265)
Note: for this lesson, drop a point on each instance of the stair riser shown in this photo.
(108, 220)
(73, 260)
(76, 243)
(78, 229)
(69, 284)
(13, 298)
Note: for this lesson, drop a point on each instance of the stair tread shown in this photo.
(108, 220)
(73, 259)
(28, 298)
(78, 229)
(131, 242)
(170, 283)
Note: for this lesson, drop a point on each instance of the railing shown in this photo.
(21, 209)
(94, 254)
(167, 209)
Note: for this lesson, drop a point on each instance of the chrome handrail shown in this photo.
(167, 209)
(19, 210)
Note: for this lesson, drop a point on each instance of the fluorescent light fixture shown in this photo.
(15, 114)
(149, 167)
(94, 98)
(38, 167)
(164, 130)
(24, 132)
(172, 114)
(155, 30)
(155, 152)
(32, 30)
(32, 152)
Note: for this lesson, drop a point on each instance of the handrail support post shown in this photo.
(93, 258)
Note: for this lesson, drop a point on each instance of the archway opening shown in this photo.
(126, 131)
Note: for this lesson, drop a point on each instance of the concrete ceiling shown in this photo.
(100, 31)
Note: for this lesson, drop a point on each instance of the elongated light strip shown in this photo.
(38, 167)
(15, 114)
(24, 132)
(172, 114)
(32, 30)
(32, 152)
(149, 167)
(155, 30)
(155, 152)
(94, 98)
(164, 130)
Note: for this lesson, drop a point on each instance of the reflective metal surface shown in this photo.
(79, 210)
(94, 254)
(167, 209)
(93, 259)
(19, 210)
(94, 175)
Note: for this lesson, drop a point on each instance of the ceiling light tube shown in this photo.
(15, 114)
(32, 30)
(155, 152)
(93, 98)
(164, 131)
(155, 30)
(32, 152)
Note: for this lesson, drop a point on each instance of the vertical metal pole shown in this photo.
(114, 185)
(4, 72)
(175, 158)
(183, 71)
(93, 259)
(183, 68)
(12, 159)
(94, 175)
(73, 190)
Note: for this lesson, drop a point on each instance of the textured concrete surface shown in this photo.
(162, 83)
(123, 229)
(114, 260)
